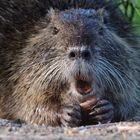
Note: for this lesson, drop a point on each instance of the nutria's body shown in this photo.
(50, 58)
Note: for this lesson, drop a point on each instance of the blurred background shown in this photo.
(131, 9)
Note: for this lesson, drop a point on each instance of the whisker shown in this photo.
(109, 74)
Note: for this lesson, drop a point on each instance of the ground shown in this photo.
(116, 131)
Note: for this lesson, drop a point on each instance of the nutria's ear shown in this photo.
(52, 14)
(100, 15)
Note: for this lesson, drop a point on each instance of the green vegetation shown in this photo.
(131, 9)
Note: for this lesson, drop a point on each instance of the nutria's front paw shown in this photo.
(71, 115)
(102, 112)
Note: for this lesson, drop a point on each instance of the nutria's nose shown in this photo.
(77, 53)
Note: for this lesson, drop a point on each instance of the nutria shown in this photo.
(67, 63)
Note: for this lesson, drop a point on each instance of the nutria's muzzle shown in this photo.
(83, 86)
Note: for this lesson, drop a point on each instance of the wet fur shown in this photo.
(36, 75)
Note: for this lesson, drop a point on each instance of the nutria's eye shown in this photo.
(55, 30)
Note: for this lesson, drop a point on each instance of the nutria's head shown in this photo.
(77, 51)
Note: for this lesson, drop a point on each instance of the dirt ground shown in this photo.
(117, 131)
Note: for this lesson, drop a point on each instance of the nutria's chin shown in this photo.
(55, 54)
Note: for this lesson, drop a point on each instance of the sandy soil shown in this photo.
(117, 131)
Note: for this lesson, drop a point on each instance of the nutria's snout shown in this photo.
(82, 53)
(80, 69)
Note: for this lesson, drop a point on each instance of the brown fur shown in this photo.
(36, 76)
